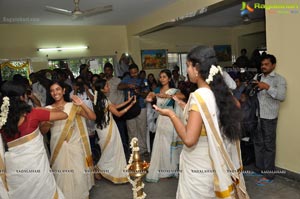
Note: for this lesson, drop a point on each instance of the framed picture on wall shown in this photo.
(154, 59)
(223, 52)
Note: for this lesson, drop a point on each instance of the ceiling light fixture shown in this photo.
(63, 48)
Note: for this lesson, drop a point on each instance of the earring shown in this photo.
(196, 74)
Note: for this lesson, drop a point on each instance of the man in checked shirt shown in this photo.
(272, 88)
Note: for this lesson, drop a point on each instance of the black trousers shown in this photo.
(124, 135)
(265, 147)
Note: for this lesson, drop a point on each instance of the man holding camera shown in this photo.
(136, 126)
(272, 91)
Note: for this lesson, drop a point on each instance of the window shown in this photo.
(178, 59)
(96, 63)
(9, 68)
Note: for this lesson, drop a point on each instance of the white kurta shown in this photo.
(70, 169)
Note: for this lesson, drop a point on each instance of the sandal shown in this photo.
(252, 173)
(263, 181)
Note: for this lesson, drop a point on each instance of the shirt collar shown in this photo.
(272, 74)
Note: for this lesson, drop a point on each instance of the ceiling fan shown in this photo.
(77, 13)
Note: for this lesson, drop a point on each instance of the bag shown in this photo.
(131, 113)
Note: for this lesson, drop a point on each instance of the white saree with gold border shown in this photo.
(69, 166)
(28, 170)
(166, 146)
(204, 170)
(3, 184)
(112, 164)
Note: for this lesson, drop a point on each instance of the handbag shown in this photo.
(131, 113)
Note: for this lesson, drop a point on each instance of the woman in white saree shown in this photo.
(3, 183)
(206, 166)
(112, 162)
(166, 146)
(71, 160)
(26, 161)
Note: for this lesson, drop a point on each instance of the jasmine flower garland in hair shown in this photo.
(95, 97)
(4, 111)
(212, 72)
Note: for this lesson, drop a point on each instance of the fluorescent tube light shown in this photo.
(63, 48)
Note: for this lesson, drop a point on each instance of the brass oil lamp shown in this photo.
(137, 169)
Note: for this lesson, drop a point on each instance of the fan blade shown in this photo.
(59, 10)
(97, 10)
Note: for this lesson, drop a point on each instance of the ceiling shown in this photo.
(124, 12)
(34, 12)
(227, 17)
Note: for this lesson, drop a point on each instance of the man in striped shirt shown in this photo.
(272, 88)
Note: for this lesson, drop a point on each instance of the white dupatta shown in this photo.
(225, 169)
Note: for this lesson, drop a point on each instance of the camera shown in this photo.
(251, 88)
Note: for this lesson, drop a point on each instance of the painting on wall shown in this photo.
(223, 52)
(154, 59)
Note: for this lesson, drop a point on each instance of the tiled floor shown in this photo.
(281, 188)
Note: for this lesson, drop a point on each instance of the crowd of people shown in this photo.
(190, 127)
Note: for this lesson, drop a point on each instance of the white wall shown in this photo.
(22, 41)
(283, 32)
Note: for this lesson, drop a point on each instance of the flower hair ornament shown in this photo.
(212, 72)
(4, 111)
(95, 97)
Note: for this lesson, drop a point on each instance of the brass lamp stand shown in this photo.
(136, 170)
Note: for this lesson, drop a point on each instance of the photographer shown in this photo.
(272, 88)
(81, 89)
(246, 93)
(135, 85)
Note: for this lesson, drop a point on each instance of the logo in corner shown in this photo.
(246, 9)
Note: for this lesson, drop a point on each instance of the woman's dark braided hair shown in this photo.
(17, 107)
(229, 114)
(100, 108)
